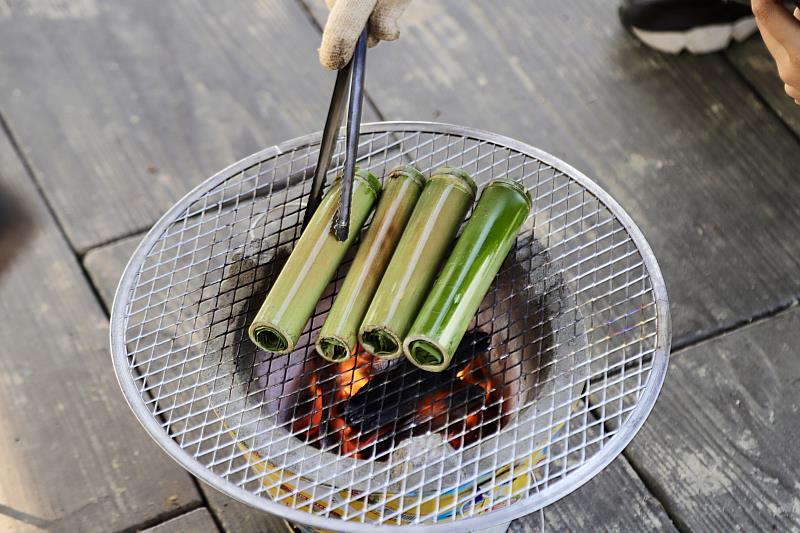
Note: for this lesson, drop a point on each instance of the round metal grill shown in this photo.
(577, 319)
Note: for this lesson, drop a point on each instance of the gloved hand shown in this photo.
(347, 19)
(781, 33)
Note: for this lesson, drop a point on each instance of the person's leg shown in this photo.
(699, 26)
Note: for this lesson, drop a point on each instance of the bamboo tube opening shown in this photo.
(425, 353)
(381, 342)
(271, 339)
(334, 349)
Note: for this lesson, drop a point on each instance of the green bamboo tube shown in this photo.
(310, 267)
(429, 234)
(339, 334)
(467, 275)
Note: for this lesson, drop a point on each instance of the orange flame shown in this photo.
(353, 374)
(433, 415)
(310, 422)
(475, 373)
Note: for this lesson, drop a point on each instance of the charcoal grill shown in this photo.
(578, 318)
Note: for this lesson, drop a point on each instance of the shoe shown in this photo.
(699, 26)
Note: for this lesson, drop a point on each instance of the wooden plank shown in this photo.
(753, 61)
(106, 264)
(720, 448)
(122, 107)
(238, 517)
(197, 521)
(615, 500)
(681, 142)
(72, 456)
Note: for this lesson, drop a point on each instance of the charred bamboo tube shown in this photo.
(310, 267)
(412, 270)
(467, 275)
(339, 334)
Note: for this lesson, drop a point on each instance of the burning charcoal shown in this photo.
(447, 411)
(393, 395)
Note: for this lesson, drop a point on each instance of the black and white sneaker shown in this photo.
(699, 26)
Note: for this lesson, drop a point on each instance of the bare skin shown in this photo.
(781, 33)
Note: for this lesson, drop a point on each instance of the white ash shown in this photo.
(424, 460)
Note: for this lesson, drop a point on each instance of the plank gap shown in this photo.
(162, 517)
(690, 341)
(660, 495)
(5, 127)
(203, 498)
(141, 232)
(649, 484)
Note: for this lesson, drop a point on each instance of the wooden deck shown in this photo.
(112, 110)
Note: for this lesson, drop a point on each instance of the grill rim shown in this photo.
(577, 478)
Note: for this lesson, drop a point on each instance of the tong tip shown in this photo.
(341, 231)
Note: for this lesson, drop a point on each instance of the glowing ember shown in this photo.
(485, 420)
(459, 410)
(350, 443)
(475, 373)
(454, 413)
(353, 374)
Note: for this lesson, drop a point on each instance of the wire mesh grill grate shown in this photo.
(577, 320)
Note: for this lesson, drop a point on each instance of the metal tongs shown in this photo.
(352, 74)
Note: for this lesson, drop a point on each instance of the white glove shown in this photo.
(346, 20)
